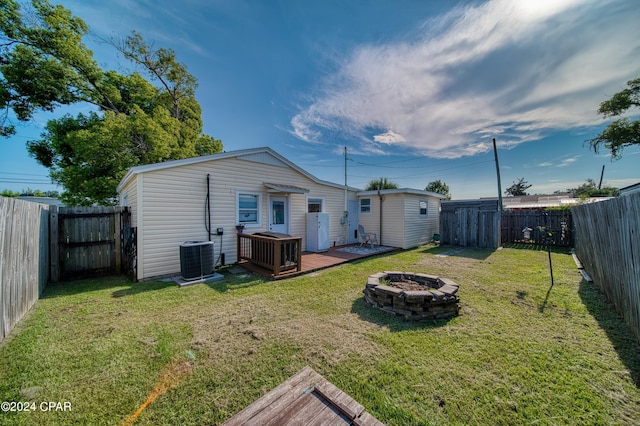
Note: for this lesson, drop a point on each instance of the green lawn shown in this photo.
(521, 352)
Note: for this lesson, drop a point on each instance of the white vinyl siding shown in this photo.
(173, 207)
(393, 226)
(419, 229)
(403, 224)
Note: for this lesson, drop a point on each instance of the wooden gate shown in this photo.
(474, 223)
(85, 241)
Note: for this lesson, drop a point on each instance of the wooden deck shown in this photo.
(315, 261)
(306, 398)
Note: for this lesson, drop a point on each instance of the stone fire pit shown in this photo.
(414, 296)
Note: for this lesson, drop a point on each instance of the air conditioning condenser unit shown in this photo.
(196, 259)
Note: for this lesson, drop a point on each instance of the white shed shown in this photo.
(408, 217)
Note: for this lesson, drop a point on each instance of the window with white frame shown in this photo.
(365, 205)
(423, 208)
(314, 205)
(248, 211)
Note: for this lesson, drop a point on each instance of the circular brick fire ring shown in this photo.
(414, 296)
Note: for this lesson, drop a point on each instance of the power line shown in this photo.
(430, 174)
(22, 174)
(26, 181)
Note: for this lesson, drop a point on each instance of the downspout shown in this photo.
(208, 213)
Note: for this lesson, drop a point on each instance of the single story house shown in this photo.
(206, 198)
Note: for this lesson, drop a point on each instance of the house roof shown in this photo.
(280, 187)
(543, 201)
(630, 188)
(227, 154)
(538, 201)
(400, 191)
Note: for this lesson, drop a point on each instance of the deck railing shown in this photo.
(276, 253)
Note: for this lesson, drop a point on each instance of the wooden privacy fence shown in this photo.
(470, 223)
(524, 226)
(24, 260)
(88, 241)
(608, 246)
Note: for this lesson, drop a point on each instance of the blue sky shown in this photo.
(415, 90)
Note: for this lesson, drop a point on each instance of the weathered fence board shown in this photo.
(24, 261)
(87, 241)
(608, 246)
(470, 223)
(478, 223)
(559, 222)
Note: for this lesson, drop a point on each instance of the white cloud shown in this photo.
(508, 69)
(389, 137)
(560, 163)
(568, 161)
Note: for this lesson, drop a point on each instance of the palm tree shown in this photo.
(380, 183)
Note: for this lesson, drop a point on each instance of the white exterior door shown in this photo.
(279, 215)
(354, 220)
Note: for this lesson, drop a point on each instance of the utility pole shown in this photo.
(495, 154)
(601, 175)
(346, 201)
(345, 181)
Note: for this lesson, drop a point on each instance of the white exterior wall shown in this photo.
(170, 207)
(371, 221)
(419, 229)
(401, 221)
(130, 193)
(393, 220)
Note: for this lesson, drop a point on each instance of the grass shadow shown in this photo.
(392, 322)
(69, 288)
(546, 300)
(457, 251)
(537, 247)
(619, 334)
(237, 281)
(143, 287)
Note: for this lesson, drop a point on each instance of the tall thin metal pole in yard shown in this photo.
(548, 236)
(495, 154)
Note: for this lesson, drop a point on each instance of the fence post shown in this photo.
(54, 255)
(117, 219)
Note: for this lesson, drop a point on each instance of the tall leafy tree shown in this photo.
(518, 188)
(622, 132)
(380, 183)
(439, 187)
(45, 64)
